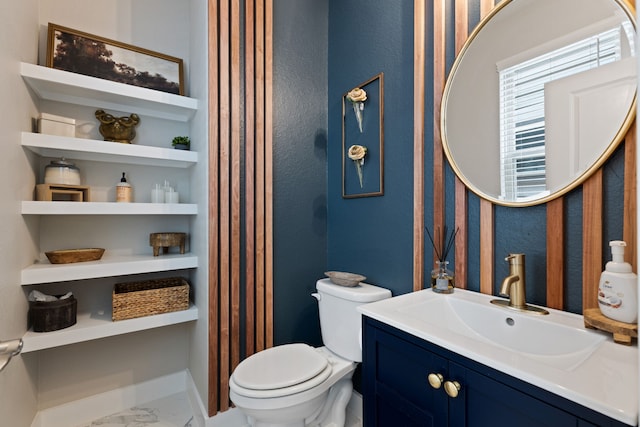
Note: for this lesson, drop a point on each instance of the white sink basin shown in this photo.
(554, 352)
(553, 340)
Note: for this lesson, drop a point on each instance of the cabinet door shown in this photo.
(395, 383)
(491, 403)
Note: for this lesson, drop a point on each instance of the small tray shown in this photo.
(68, 256)
(623, 333)
(344, 279)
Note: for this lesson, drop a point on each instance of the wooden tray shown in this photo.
(68, 256)
(623, 333)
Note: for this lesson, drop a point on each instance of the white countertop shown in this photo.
(606, 381)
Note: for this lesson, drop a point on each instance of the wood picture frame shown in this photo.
(83, 53)
(370, 136)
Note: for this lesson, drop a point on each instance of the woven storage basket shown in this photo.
(47, 316)
(148, 297)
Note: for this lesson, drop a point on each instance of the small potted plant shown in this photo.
(181, 142)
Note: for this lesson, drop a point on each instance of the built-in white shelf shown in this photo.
(108, 266)
(104, 151)
(107, 208)
(92, 326)
(63, 86)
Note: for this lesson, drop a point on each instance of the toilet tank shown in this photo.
(340, 322)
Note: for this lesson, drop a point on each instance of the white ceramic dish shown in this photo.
(344, 279)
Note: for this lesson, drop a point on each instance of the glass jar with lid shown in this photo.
(61, 172)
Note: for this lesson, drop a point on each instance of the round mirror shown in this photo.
(539, 96)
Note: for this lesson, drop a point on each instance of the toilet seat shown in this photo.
(280, 371)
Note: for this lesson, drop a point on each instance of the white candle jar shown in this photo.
(61, 172)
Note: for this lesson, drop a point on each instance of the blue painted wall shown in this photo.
(323, 48)
(300, 166)
(373, 235)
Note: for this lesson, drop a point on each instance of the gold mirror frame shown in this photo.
(578, 180)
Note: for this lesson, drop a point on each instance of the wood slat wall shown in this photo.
(487, 254)
(630, 230)
(461, 196)
(419, 54)
(240, 127)
(592, 188)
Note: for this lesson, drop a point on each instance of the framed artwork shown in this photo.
(363, 139)
(83, 53)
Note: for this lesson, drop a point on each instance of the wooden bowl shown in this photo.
(68, 256)
(344, 279)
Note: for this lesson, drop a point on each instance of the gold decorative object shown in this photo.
(117, 129)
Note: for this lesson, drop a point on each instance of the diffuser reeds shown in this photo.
(442, 278)
(441, 249)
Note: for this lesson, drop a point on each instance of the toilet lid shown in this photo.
(279, 367)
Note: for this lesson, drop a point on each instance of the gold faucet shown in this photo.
(513, 287)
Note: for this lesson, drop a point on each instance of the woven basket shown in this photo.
(148, 297)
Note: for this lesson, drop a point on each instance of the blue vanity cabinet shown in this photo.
(397, 393)
(395, 386)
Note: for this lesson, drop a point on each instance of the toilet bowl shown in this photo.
(296, 385)
(292, 385)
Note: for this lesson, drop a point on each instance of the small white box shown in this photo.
(56, 125)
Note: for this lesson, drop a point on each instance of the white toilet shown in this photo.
(296, 385)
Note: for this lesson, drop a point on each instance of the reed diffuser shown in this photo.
(442, 279)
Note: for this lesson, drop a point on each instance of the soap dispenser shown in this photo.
(618, 287)
(123, 190)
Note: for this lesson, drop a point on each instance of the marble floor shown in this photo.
(176, 411)
(170, 411)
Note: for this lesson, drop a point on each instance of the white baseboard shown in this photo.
(230, 418)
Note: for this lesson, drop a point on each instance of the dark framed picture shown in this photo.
(84, 53)
(363, 139)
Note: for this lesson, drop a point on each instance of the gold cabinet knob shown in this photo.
(452, 388)
(435, 380)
